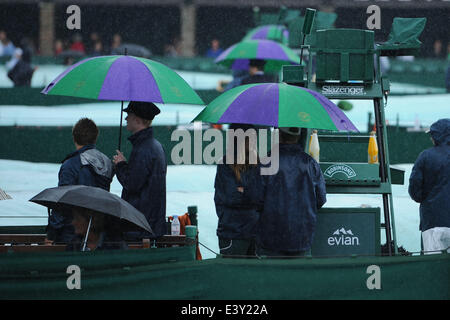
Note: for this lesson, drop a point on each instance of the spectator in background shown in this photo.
(7, 48)
(68, 61)
(97, 49)
(215, 49)
(437, 49)
(27, 46)
(170, 51)
(58, 47)
(93, 39)
(19, 67)
(77, 43)
(116, 42)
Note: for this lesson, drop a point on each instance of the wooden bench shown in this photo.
(163, 242)
(33, 248)
(22, 238)
(36, 243)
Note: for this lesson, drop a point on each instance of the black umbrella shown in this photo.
(92, 198)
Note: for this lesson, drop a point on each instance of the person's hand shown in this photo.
(240, 189)
(119, 157)
(47, 241)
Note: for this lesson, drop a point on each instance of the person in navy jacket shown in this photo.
(429, 185)
(236, 208)
(143, 177)
(85, 166)
(290, 201)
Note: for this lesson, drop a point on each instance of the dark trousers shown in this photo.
(237, 247)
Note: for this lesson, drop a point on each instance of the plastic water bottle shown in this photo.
(373, 149)
(175, 228)
(314, 148)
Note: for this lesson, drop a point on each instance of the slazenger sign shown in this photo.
(340, 168)
(340, 90)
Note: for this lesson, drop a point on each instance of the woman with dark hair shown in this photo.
(235, 207)
(97, 231)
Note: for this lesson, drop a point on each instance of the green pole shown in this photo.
(385, 149)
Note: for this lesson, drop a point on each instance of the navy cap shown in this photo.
(144, 110)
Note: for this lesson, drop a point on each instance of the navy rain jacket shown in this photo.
(429, 182)
(291, 199)
(86, 166)
(143, 179)
(236, 210)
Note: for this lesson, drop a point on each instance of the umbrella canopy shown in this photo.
(275, 54)
(278, 33)
(92, 198)
(277, 105)
(123, 78)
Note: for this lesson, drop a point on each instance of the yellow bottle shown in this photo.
(373, 148)
(314, 148)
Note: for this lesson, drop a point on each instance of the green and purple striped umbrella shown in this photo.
(275, 54)
(276, 105)
(123, 78)
(278, 33)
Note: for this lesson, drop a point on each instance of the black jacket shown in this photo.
(236, 210)
(143, 179)
(291, 199)
(429, 182)
(21, 74)
(86, 166)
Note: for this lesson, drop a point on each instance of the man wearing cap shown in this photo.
(143, 177)
(290, 200)
(429, 184)
(256, 73)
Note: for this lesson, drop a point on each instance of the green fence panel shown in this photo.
(52, 144)
(132, 275)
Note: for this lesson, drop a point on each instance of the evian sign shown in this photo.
(343, 90)
(342, 237)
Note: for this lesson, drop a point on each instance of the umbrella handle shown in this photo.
(87, 235)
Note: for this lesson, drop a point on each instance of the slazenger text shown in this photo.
(338, 90)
